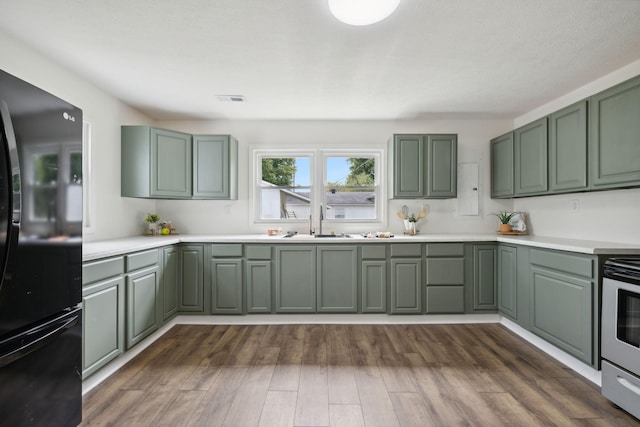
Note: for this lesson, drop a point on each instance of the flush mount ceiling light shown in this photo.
(362, 12)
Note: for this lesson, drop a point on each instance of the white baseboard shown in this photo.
(580, 367)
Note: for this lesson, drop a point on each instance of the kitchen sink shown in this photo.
(331, 235)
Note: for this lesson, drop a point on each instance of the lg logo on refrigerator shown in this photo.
(68, 116)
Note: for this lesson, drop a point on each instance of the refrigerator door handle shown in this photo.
(14, 164)
(36, 339)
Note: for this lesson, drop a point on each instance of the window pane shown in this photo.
(285, 191)
(350, 188)
(44, 203)
(45, 168)
(351, 203)
(75, 173)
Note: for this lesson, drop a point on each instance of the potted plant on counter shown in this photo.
(152, 221)
(504, 218)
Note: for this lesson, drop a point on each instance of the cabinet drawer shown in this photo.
(142, 259)
(102, 269)
(233, 250)
(445, 299)
(374, 252)
(444, 249)
(408, 249)
(258, 252)
(445, 271)
(568, 263)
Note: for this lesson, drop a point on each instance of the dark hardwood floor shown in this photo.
(347, 375)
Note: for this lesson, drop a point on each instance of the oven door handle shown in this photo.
(629, 385)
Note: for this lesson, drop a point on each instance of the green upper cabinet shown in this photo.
(568, 149)
(215, 159)
(614, 136)
(160, 163)
(425, 166)
(530, 153)
(155, 163)
(502, 166)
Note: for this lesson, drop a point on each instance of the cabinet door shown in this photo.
(442, 156)
(502, 166)
(484, 277)
(142, 302)
(102, 324)
(530, 149)
(192, 283)
(226, 286)
(507, 281)
(259, 286)
(568, 148)
(374, 289)
(337, 285)
(170, 281)
(211, 167)
(408, 166)
(561, 311)
(295, 279)
(614, 136)
(406, 285)
(170, 164)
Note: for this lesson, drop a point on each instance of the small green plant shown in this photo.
(505, 216)
(152, 218)
(412, 218)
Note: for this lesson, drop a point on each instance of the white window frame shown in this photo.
(318, 182)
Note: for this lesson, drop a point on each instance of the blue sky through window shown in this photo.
(337, 170)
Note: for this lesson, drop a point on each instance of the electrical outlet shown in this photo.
(574, 206)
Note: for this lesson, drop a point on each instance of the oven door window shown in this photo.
(629, 317)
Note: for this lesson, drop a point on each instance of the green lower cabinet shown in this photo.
(445, 278)
(445, 283)
(226, 286)
(295, 279)
(259, 286)
(337, 284)
(142, 289)
(374, 286)
(507, 281)
(444, 299)
(191, 296)
(406, 286)
(562, 311)
(484, 277)
(170, 281)
(102, 323)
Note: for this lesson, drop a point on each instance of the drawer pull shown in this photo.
(629, 385)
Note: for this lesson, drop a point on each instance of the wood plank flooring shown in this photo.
(346, 375)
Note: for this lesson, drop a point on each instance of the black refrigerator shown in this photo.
(40, 257)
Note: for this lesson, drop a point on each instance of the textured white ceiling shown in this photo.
(292, 60)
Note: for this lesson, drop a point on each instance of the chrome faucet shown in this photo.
(321, 217)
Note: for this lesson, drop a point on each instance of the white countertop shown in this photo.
(108, 248)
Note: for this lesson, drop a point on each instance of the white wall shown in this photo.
(234, 216)
(113, 215)
(604, 215)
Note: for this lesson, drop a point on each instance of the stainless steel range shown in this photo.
(621, 333)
